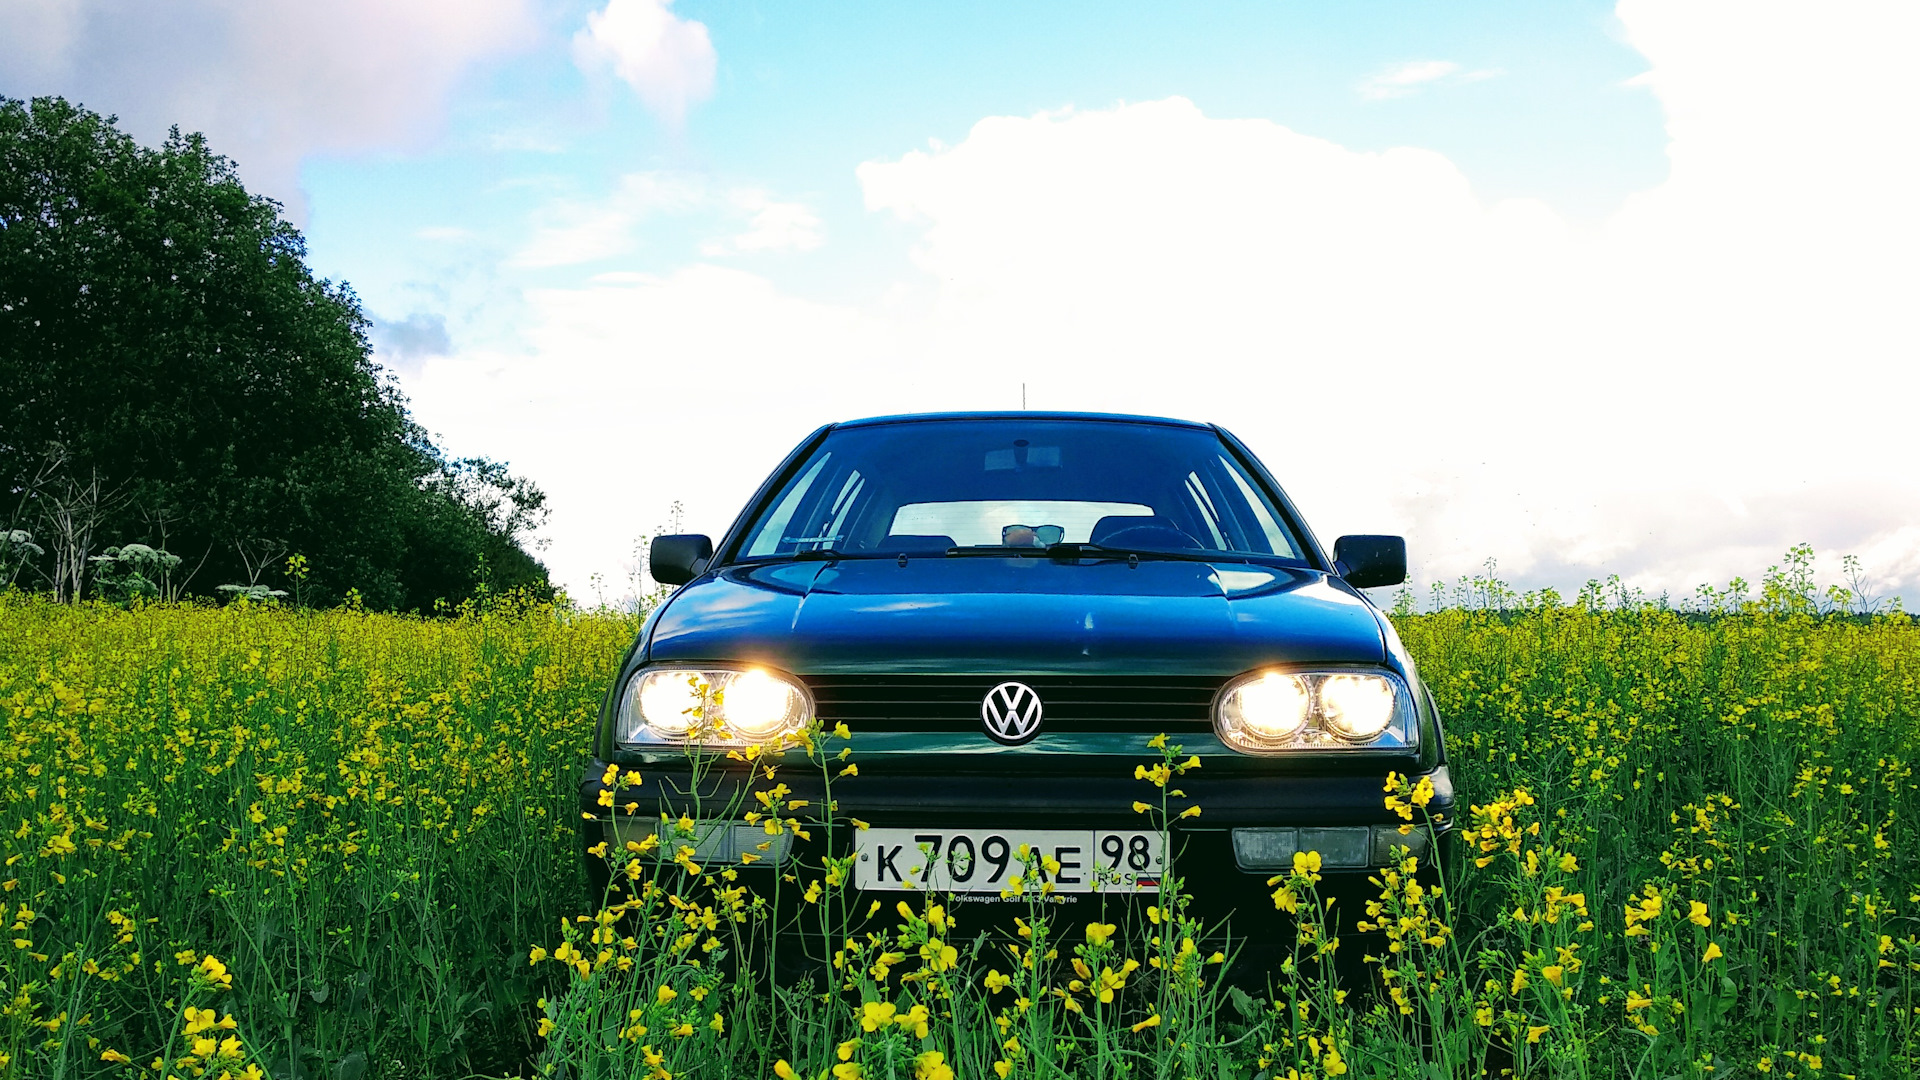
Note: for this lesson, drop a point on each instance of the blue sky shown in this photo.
(1586, 289)
(803, 93)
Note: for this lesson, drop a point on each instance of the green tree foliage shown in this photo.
(160, 331)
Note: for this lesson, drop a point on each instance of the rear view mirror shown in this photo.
(1369, 562)
(676, 560)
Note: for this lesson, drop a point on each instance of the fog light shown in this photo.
(1345, 846)
(717, 842)
(1265, 849)
(1387, 837)
(1340, 847)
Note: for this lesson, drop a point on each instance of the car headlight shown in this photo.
(1357, 706)
(712, 707)
(1268, 709)
(1277, 711)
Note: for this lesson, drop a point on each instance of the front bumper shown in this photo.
(1237, 899)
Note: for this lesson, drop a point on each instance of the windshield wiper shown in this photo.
(817, 555)
(1102, 551)
(1068, 551)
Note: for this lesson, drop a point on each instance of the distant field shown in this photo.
(1698, 838)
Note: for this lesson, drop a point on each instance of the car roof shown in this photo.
(1021, 414)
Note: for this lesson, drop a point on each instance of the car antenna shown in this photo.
(1023, 397)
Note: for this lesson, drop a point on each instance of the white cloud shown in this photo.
(741, 218)
(268, 82)
(772, 225)
(1483, 376)
(1413, 77)
(1406, 79)
(668, 60)
(1677, 395)
(637, 390)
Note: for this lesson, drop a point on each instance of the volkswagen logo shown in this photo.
(1011, 713)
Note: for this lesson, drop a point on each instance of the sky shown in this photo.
(1581, 289)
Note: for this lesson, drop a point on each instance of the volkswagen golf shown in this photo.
(1004, 612)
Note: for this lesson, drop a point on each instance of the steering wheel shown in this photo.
(1150, 536)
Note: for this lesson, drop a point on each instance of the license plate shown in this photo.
(984, 860)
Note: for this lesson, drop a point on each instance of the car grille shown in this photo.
(1072, 702)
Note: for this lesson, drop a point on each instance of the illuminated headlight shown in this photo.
(1357, 706)
(1268, 709)
(711, 706)
(1274, 711)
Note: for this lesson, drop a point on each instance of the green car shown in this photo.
(1003, 612)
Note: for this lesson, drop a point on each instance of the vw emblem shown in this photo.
(1011, 713)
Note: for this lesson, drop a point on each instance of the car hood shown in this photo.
(991, 615)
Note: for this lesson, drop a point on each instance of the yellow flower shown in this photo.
(665, 994)
(932, 1065)
(996, 982)
(847, 1070)
(783, 1070)
(114, 1056)
(1422, 792)
(939, 955)
(875, 1015)
(1140, 807)
(1535, 1031)
(915, 1020)
(1713, 953)
(1553, 973)
(1099, 933)
(536, 955)
(1698, 916)
(1150, 1022)
(214, 973)
(1306, 862)
(1001, 1069)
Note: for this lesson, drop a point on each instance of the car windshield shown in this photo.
(984, 486)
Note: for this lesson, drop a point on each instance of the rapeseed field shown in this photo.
(249, 842)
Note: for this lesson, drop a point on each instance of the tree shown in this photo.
(161, 333)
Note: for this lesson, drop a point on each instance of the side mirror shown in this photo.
(1369, 562)
(676, 560)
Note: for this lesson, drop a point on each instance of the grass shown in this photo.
(339, 844)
